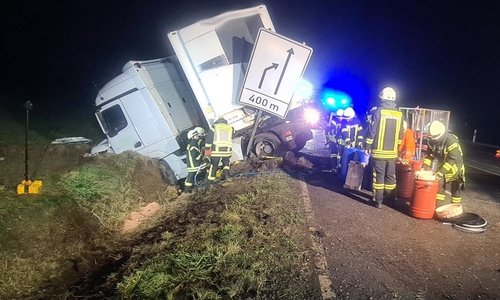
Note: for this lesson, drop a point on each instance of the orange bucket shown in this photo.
(423, 201)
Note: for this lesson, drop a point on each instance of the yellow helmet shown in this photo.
(388, 94)
(436, 130)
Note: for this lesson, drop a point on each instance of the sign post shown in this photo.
(276, 65)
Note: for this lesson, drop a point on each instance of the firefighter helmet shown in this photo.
(220, 120)
(192, 133)
(388, 94)
(339, 113)
(349, 113)
(436, 130)
(200, 131)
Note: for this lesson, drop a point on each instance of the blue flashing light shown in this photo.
(334, 99)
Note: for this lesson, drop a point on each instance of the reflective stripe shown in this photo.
(369, 141)
(188, 183)
(456, 199)
(378, 186)
(192, 169)
(384, 154)
(440, 197)
(451, 147)
(427, 162)
(390, 187)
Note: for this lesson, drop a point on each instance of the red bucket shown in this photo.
(423, 201)
(405, 177)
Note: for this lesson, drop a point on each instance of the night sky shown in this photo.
(436, 54)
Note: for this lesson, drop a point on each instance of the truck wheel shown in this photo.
(301, 140)
(268, 144)
(167, 174)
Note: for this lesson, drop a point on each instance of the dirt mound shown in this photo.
(256, 164)
(289, 162)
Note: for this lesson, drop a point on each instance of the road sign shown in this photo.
(276, 65)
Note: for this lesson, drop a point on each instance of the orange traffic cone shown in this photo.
(498, 154)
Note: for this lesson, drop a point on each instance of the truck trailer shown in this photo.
(152, 104)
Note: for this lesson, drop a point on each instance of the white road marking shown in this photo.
(320, 262)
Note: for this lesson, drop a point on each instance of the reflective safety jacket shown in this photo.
(450, 157)
(385, 132)
(220, 140)
(351, 133)
(193, 155)
(407, 148)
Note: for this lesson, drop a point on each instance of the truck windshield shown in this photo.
(112, 119)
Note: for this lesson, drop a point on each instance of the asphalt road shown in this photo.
(370, 258)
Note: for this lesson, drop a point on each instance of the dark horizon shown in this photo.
(436, 55)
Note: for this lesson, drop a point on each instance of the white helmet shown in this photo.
(349, 113)
(436, 130)
(200, 131)
(339, 113)
(388, 94)
(192, 133)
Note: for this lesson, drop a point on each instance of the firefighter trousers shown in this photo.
(455, 190)
(334, 154)
(189, 182)
(384, 180)
(214, 165)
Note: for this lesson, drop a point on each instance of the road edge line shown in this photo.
(320, 262)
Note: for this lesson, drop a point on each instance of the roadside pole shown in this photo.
(254, 130)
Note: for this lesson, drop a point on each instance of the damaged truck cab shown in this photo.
(151, 106)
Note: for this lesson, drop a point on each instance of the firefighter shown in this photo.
(194, 159)
(218, 143)
(332, 135)
(352, 130)
(407, 148)
(451, 169)
(384, 134)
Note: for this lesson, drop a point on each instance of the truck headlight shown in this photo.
(311, 115)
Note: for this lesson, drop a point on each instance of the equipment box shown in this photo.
(354, 176)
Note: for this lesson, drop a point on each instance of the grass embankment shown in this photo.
(244, 239)
(50, 239)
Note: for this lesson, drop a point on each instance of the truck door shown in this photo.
(118, 127)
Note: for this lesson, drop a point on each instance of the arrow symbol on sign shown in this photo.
(290, 53)
(274, 66)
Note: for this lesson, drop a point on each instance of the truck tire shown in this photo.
(166, 172)
(268, 144)
(301, 140)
